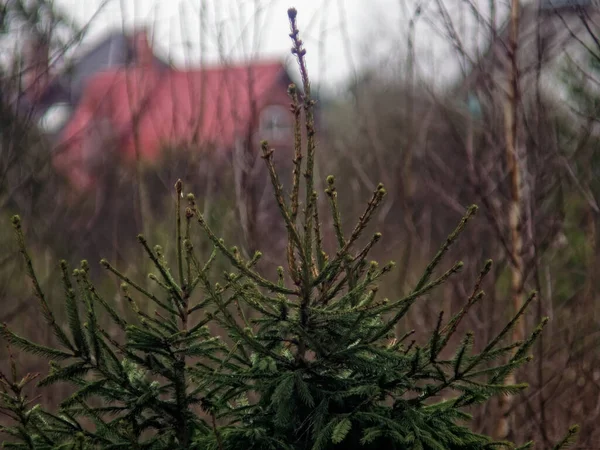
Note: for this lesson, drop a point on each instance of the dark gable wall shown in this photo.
(113, 52)
(110, 53)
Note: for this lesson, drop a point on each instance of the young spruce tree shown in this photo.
(317, 367)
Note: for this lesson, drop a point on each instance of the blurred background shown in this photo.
(105, 104)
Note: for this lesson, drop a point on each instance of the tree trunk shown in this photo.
(504, 428)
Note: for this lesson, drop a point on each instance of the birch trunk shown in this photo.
(504, 426)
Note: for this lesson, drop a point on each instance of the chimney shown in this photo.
(35, 73)
(142, 50)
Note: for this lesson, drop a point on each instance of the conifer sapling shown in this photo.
(315, 366)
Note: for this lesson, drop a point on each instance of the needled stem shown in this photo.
(136, 286)
(189, 214)
(408, 301)
(179, 192)
(155, 258)
(475, 296)
(294, 198)
(181, 387)
(444, 248)
(299, 51)
(332, 268)
(232, 258)
(321, 255)
(331, 192)
(293, 236)
(490, 346)
(37, 290)
(296, 109)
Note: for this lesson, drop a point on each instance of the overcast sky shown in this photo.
(341, 36)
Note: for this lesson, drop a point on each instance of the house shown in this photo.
(48, 97)
(549, 31)
(122, 103)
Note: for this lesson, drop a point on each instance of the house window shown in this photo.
(474, 105)
(275, 123)
(55, 118)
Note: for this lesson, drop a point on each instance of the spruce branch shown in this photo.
(569, 439)
(408, 301)
(296, 111)
(37, 290)
(475, 296)
(267, 155)
(444, 248)
(179, 195)
(31, 347)
(72, 310)
(331, 270)
(244, 269)
(187, 243)
(129, 282)
(155, 257)
(335, 211)
(299, 52)
(320, 249)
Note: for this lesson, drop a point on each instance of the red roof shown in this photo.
(213, 105)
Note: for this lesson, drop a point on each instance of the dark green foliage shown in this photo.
(311, 361)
